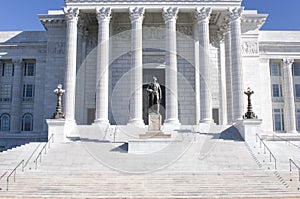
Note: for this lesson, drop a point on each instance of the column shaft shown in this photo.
(236, 63)
(70, 73)
(15, 122)
(170, 16)
(103, 16)
(197, 72)
(289, 103)
(202, 15)
(136, 102)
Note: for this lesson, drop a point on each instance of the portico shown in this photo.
(164, 24)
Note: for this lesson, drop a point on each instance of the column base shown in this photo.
(136, 122)
(101, 121)
(171, 125)
(172, 121)
(70, 130)
(207, 121)
(291, 131)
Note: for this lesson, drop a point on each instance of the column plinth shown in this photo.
(170, 16)
(136, 102)
(289, 103)
(236, 63)
(103, 16)
(202, 15)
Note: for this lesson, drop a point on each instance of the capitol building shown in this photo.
(204, 53)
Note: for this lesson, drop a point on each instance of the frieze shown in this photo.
(152, 32)
(250, 48)
(186, 29)
(56, 48)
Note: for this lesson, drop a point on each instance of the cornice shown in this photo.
(151, 1)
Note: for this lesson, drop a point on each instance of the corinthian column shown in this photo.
(70, 73)
(103, 16)
(236, 63)
(16, 97)
(289, 103)
(136, 103)
(202, 15)
(170, 16)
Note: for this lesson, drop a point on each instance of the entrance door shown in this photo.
(91, 115)
(216, 115)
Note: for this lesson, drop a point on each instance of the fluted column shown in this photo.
(70, 73)
(103, 16)
(136, 102)
(236, 63)
(228, 70)
(289, 103)
(16, 97)
(197, 71)
(170, 16)
(202, 16)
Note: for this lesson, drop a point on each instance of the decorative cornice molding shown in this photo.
(103, 14)
(170, 14)
(136, 14)
(202, 13)
(235, 13)
(71, 13)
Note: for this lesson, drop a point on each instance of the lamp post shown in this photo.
(59, 92)
(249, 114)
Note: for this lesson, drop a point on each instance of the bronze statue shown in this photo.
(249, 114)
(155, 95)
(59, 92)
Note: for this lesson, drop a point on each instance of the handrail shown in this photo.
(292, 162)
(266, 147)
(14, 171)
(288, 141)
(3, 174)
(44, 148)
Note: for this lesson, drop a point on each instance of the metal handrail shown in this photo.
(266, 147)
(14, 172)
(292, 162)
(2, 176)
(287, 141)
(44, 148)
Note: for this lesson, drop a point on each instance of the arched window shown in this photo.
(5, 122)
(27, 122)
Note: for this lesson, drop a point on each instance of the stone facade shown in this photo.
(205, 54)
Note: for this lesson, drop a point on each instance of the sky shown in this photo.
(22, 14)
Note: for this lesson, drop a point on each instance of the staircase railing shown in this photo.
(43, 149)
(292, 162)
(14, 171)
(266, 147)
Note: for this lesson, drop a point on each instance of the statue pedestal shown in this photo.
(248, 128)
(154, 128)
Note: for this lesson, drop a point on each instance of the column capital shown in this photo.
(170, 14)
(235, 13)
(287, 62)
(17, 61)
(71, 14)
(103, 14)
(202, 13)
(136, 14)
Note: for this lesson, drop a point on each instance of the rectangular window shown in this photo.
(29, 68)
(275, 69)
(7, 69)
(278, 119)
(298, 119)
(28, 92)
(6, 93)
(297, 90)
(276, 90)
(296, 69)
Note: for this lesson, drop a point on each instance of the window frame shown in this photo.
(25, 127)
(5, 115)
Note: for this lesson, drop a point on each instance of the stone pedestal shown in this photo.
(56, 127)
(248, 128)
(154, 128)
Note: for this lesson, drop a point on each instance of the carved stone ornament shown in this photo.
(56, 48)
(202, 13)
(136, 14)
(103, 13)
(235, 13)
(186, 29)
(71, 13)
(287, 62)
(250, 47)
(170, 13)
